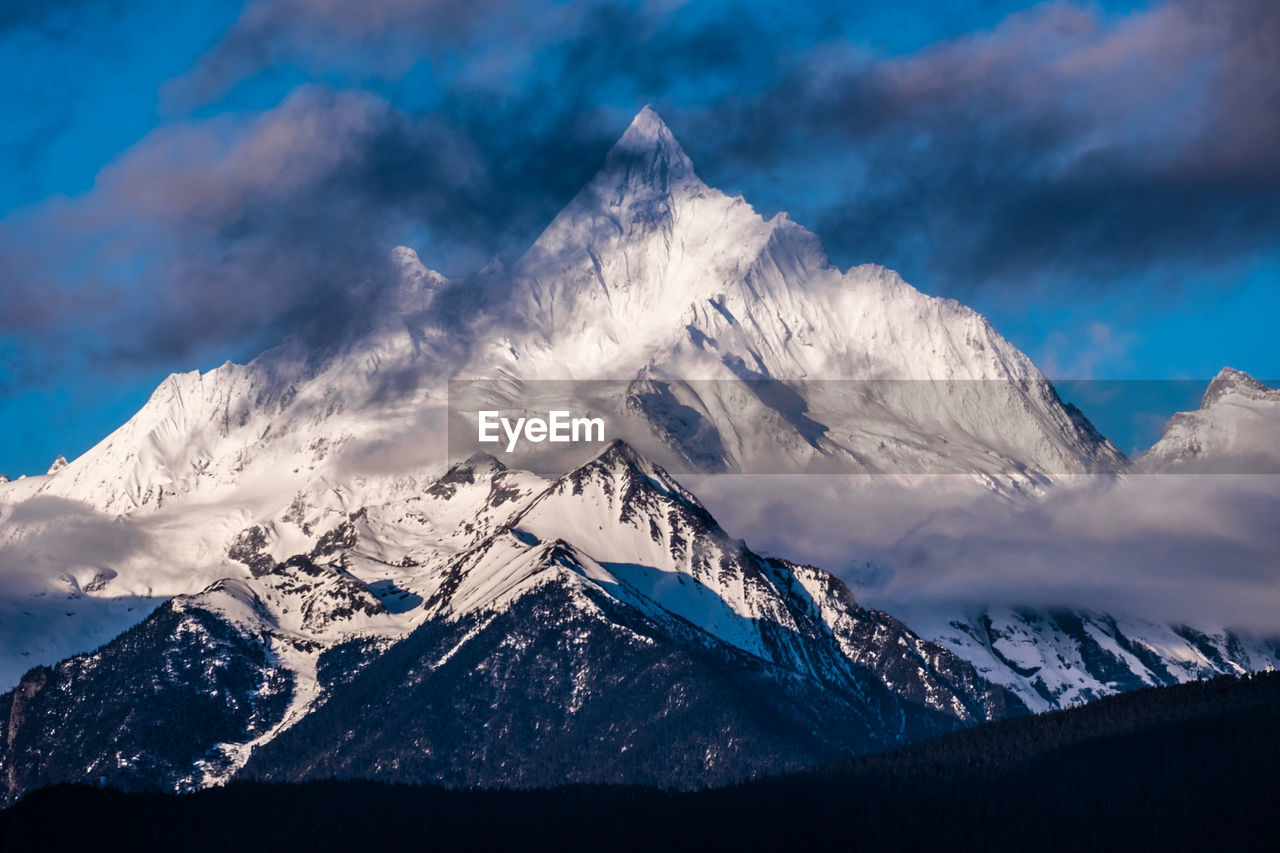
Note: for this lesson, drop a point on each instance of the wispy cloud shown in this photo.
(1195, 548)
(1102, 346)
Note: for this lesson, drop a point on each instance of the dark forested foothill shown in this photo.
(1184, 767)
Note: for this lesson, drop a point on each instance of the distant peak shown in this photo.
(648, 153)
(58, 465)
(493, 267)
(647, 125)
(479, 466)
(1232, 381)
(405, 255)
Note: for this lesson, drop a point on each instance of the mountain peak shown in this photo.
(620, 455)
(1232, 381)
(616, 457)
(646, 130)
(634, 194)
(619, 452)
(648, 154)
(630, 472)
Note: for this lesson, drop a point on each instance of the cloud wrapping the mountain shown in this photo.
(1181, 548)
(61, 535)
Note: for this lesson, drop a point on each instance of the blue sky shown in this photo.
(185, 183)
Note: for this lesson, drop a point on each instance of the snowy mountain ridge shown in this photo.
(648, 276)
(615, 554)
(1063, 657)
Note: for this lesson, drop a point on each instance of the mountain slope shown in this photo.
(649, 274)
(727, 342)
(649, 277)
(646, 269)
(148, 710)
(1184, 767)
(693, 662)
(1063, 657)
(528, 656)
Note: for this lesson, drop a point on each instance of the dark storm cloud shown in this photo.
(242, 229)
(218, 231)
(1061, 144)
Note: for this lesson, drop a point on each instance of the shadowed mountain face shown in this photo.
(535, 656)
(148, 711)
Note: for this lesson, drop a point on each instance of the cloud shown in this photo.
(1062, 143)
(385, 37)
(223, 235)
(1181, 548)
(1104, 348)
(49, 537)
(236, 230)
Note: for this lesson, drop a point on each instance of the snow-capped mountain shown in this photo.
(1059, 658)
(648, 272)
(648, 276)
(1236, 430)
(1065, 656)
(651, 275)
(600, 627)
(297, 522)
